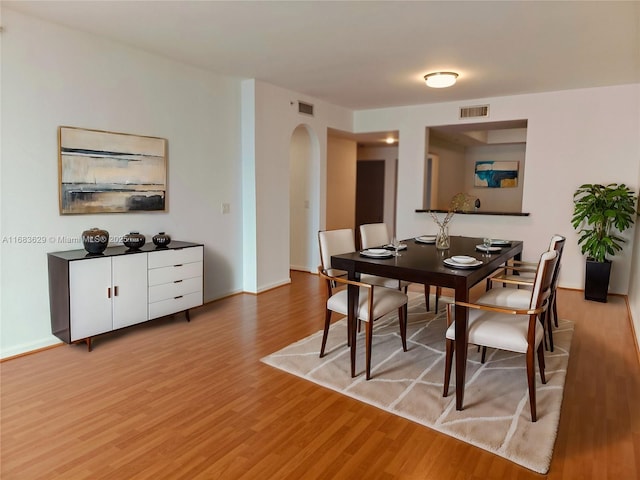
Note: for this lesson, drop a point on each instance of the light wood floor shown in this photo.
(171, 399)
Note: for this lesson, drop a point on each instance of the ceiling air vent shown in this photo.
(305, 108)
(475, 111)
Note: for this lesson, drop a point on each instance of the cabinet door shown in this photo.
(90, 295)
(130, 289)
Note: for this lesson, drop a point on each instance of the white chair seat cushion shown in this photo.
(498, 330)
(385, 300)
(507, 297)
(383, 281)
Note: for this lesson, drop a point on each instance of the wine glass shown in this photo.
(486, 243)
(395, 243)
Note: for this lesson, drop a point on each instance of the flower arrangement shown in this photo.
(459, 202)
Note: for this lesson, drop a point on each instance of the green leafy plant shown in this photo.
(597, 209)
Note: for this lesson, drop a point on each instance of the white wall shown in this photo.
(54, 76)
(573, 137)
(266, 181)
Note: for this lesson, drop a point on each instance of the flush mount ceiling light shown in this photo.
(440, 79)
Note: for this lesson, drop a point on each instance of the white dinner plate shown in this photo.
(370, 254)
(451, 263)
(464, 259)
(488, 249)
(426, 239)
(377, 251)
(500, 242)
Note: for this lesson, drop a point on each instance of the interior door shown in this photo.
(369, 193)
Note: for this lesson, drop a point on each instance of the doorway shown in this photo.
(370, 177)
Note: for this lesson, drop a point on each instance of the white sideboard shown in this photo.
(94, 294)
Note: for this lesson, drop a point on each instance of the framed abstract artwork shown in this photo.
(107, 172)
(496, 174)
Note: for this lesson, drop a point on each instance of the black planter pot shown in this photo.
(596, 280)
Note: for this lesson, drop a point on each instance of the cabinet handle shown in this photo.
(177, 281)
(115, 291)
(179, 265)
(108, 292)
(175, 298)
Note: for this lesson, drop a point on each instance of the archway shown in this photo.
(304, 155)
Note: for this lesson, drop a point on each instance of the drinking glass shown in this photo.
(395, 243)
(486, 243)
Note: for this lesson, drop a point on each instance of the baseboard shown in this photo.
(634, 334)
(28, 349)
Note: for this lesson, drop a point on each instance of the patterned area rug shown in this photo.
(496, 416)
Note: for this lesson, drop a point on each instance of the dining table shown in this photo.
(422, 262)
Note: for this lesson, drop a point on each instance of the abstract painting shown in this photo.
(106, 172)
(496, 174)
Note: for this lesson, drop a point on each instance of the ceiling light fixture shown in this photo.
(440, 79)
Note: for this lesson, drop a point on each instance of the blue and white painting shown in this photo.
(496, 174)
(105, 172)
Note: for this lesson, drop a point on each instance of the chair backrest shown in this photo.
(335, 242)
(544, 278)
(374, 235)
(557, 244)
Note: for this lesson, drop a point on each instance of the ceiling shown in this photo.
(363, 55)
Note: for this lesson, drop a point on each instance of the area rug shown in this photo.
(496, 415)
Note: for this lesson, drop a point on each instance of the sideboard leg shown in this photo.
(188, 316)
(88, 340)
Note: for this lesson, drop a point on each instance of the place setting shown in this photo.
(429, 239)
(490, 245)
(462, 261)
(386, 251)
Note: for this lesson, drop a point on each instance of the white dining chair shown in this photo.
(377, 235)
(374, 302)
(521, 276)
(508, 328)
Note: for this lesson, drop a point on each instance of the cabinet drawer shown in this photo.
(158, 276)
(169, 257)
(173, 305)
(170, 290)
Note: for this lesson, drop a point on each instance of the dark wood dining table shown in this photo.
(423, 263)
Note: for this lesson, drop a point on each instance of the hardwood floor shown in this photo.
(171, 399)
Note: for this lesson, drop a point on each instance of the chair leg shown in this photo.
(484, 354)
(554, 306)
(450, 347)
(427, 290)
(541, 364)
(438, 293)
(325, 334)
(549, 328)
(402, 321)
(369, 342)
(531, 380)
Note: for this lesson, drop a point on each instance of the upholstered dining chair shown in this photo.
(524, 276)
(373, 302)
(508, 328)
(376, 235)
(336, 242)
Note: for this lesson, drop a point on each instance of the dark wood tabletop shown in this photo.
(423, 263)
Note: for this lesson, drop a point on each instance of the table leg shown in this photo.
(462, 318)
(352, 319)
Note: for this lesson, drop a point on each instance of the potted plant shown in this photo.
(600, 212)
